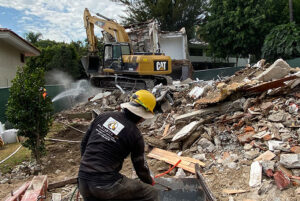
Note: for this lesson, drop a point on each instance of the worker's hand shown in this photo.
(153, 182)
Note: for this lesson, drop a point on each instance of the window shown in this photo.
(22, 57)
(196, 52)
(116, 52)
(108, 53)
(125, 50)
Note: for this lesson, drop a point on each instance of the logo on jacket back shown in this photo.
(113, 125)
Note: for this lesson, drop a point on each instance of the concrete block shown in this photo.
(290, 160)
(185, 131)
(277, 70)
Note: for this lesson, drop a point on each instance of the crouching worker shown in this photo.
(111, 137)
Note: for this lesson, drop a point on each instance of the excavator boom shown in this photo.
(108, 25)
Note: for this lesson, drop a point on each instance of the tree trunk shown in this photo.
(291, 10)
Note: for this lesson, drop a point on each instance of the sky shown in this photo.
(59, 20)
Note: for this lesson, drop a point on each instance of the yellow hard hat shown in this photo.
(142, 103)
(145, 99)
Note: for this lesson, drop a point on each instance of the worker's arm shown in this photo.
(139, 161)
(85, 140)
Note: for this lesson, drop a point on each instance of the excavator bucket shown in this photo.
(91, 64)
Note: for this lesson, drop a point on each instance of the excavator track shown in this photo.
(128, 82)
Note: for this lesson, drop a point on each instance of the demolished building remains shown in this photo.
(242, 130)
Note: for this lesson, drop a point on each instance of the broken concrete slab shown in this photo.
(196, 92)
(279, 116)
(190, 140)
(206, 145)
(246, 137)
(152, 141)
(290, 160)
(266, 106)
(166, 107)
(296, 172)
(101, 95)
(220, 109)
(277, 70)
(268, 167)
(255, 174)
(251, 154)
(200, 157)
(185, 131)
(174, 146)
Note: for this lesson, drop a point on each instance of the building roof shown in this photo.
(18, 42)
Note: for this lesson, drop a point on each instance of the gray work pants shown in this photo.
(123, 189)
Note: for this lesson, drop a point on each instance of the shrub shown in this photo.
(282, 42)
(28, 110)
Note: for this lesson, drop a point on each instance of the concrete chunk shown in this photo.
(290, 160)
(277, 70)
(185, 131)
(220, 109)
(255, 174)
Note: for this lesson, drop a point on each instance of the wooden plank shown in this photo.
(167, 127)
(62, 183)
(56, 197)
(233, 191)
(186, 163)
(266, 156)
(37, 188)
(17, 195)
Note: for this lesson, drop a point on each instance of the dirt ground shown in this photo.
(62, 162)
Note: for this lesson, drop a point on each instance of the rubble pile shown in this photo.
(20, 172)
(249, 120)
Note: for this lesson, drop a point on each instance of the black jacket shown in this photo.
(109, 140)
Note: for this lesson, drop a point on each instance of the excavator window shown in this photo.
(116, 52)
(125, 49)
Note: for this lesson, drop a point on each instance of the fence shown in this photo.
(228, 71)
(52, 91)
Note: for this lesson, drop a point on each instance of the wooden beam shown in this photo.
(17, 195)
(37, 189)
(62, 183)
(186, 163)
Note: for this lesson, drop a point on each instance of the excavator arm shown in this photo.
(108, 25)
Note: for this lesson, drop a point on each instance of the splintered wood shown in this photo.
(166, 131)
(186, 163)
(38, 187)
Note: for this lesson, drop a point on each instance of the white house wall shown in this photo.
(174, 47)
(10, 58)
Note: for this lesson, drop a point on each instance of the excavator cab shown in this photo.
(112, 56)
(112, 59)
(91, 63)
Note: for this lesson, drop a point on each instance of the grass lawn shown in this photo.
(22, 155)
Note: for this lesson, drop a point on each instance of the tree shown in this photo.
(238, 27)
(62, 56)
(28, 110)
(296, 11)
(33, 37)
(171, 14)
(282, 42)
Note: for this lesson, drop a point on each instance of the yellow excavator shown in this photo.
(120, 66)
